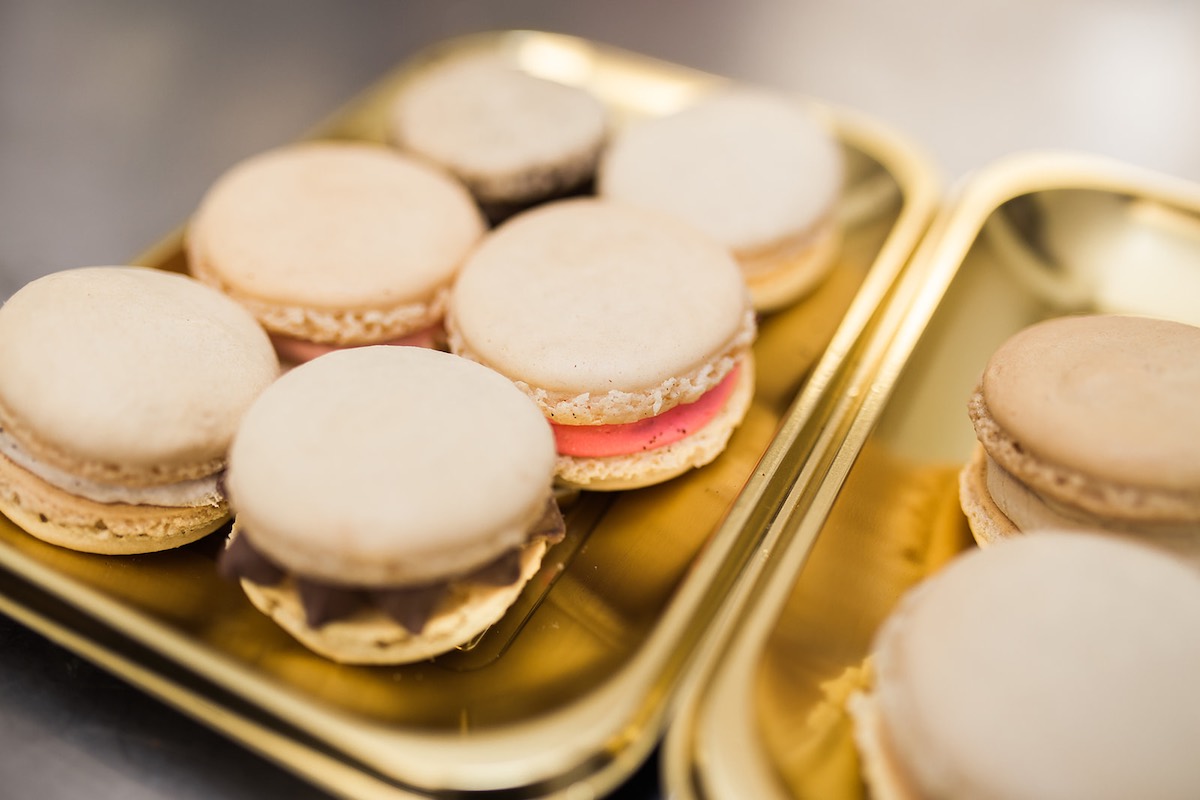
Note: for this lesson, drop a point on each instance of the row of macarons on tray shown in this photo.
(511, 295)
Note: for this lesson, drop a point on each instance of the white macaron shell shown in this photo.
(390, 465)
(591, 296)
(1056, 666)
(129, 365)
(748, 167)
(335, 225)
(481, 116)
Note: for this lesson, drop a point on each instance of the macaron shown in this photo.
(120, 390)
(754, 169)
(1089, 422)
(629, 329)
(513, 138)
(391, 502)
(1056, 666)
(335, 244)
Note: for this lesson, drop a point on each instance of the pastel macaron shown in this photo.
(391, 502)
(630, 330)
(1089, 422)
(756, 170)
(515, 139)
(335, 244)
(120, 391)
(1055, 666)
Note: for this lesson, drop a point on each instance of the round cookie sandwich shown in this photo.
(1089, 422)
(630, 330)
(513, 138)
(335, 244)
(120, 390)
(1057, 666)
(391, 502)
(753, 169)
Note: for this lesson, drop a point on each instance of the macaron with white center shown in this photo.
(335, 244)
(515, 139)
(391, 502)
(754, 169)
(629, 329)
(1089, 422)
(1056, 666)
(120, 390)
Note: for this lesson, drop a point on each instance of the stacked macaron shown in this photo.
(1056, 666)
(348, 476)
(120, 390)
(1089, 422)
(335, 244)
(629, 329)
(512, 138)
(753, 169)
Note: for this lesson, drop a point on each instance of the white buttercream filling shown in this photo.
(183, 494)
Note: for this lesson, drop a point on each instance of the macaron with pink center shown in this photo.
(629, 329)
(335, 244)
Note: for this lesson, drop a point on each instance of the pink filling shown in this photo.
(599, 441)
(297, 351)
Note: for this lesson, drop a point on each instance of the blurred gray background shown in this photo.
(115, 115)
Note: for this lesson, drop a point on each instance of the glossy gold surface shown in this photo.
(573, 686)
(1032, 237)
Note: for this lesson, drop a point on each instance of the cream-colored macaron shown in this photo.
(629, 329)
(513, 138)
(390, 502)
(334, 244)
(1057, 666)
(1089, 422)
(120, 390)
(754, 169)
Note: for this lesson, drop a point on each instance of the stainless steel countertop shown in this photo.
(115, 115)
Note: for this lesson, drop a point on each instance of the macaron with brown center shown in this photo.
(335, 244)
(629, 329)
(1089, 422)
(120, 390)
(515, 139)
(1056, 666)
(756, 170)
(391, 502)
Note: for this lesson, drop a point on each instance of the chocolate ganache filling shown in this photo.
(410, 606)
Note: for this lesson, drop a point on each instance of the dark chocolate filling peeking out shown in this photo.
(409, 606)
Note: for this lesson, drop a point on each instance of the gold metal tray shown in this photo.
(1033, 236)
(571, 691)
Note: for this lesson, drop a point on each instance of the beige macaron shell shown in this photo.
(334, 225)
(633, 471)
(67, 520)
(493, 125)
(1111, 397)
(372, 637)
(112, 372)
(591, 296)
(387, 465)
(1053, 666)
(985, 519)
(748, 167)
